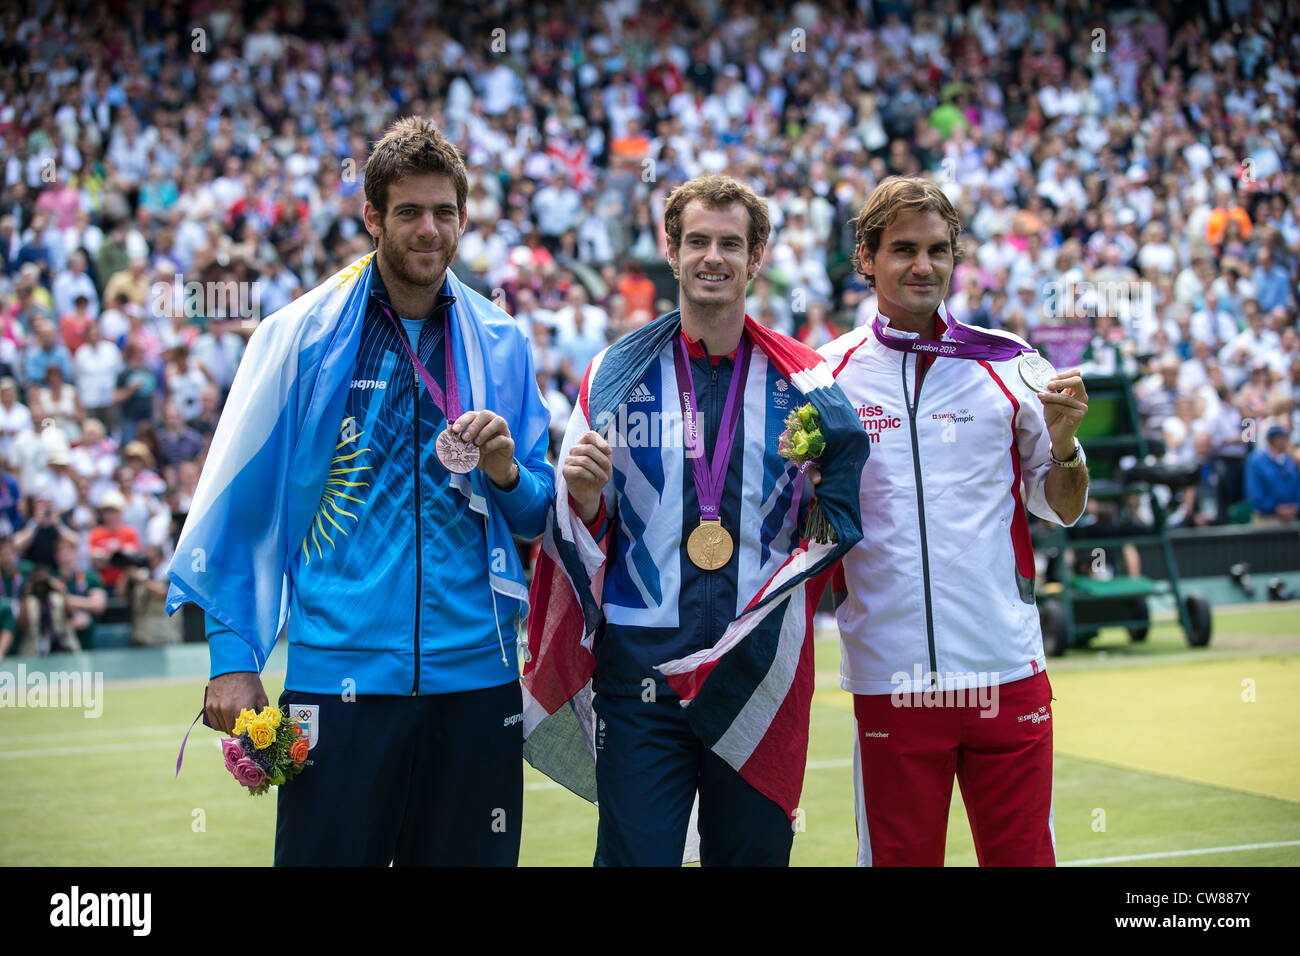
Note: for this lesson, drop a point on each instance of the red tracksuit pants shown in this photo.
(999, 746)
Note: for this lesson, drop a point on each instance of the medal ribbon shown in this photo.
(993, 348)
(180, 755)
(709, 478)
(448, 404)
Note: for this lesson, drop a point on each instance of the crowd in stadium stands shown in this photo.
(174, 171)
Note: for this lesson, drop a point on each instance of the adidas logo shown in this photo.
(641, 394)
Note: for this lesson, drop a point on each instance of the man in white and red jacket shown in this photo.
(941, 642)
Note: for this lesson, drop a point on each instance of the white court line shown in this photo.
(168, 741)
(839, 764)
(1174, 853)
(79, 734)
(812, 765)
(101, 748)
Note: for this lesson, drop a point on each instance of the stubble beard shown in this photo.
(397, 258)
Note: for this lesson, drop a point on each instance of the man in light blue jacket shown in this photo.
(369, 516)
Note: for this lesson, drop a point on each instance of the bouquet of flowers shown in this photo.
(268, 749)
(802, 444)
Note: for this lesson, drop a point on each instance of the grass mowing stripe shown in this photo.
(97, 749)
(1188, 721)
(1173, 853)
(812, 765)
(89, 732)
(1178, 777)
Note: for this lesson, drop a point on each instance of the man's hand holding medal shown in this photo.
(480, 439)
(1064, 398)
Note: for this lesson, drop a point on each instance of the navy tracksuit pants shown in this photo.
(412, 781)
(649, 767)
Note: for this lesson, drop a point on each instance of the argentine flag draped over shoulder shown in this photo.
(264, 476)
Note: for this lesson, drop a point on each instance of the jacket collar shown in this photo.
(379, 294)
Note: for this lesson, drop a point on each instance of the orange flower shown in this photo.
(298, 751)
(295, 728)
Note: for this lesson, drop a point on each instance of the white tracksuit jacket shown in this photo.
(942, 582)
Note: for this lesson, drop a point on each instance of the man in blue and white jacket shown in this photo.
(330, 517)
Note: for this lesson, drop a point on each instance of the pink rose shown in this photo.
(233, 752)
(248, 773)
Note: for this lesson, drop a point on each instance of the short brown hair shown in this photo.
(717, 192)
(410, 147)
(901, 194)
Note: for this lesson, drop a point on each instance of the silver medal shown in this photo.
(1036, 371)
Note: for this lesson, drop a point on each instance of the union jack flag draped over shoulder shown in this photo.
(749, 695)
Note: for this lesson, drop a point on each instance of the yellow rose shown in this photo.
(272, 716)
(260, 732)
(245, 718)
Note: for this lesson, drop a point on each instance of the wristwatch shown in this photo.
(1074, 461)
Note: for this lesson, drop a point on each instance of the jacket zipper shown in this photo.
(415, 375)
(920, 513)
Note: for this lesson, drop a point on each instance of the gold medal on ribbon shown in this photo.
(709, 545)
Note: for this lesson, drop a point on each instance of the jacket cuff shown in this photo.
(519, 500)
(598, 525)
(229, 653)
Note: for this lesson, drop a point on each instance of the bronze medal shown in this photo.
(457, 456)
(709, 545)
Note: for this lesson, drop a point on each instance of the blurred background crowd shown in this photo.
(149, 148)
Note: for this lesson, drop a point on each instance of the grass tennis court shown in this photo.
(1154, 740)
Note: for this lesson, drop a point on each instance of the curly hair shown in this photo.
(895, 195)
(717, 192)
(410, 147)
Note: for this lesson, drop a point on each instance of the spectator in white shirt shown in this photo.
(275, 288)
(579, 341)
(96, 365)
(72, 282)
(964, 303)
(558, 405)
(596, 235)
(57, 401)
(1213, 324)
(528, 314)
(803, 270)
(484, 252)
(580, 326)
(184, 380)
(15, 417)
(1260, 342)
(1156, 252)
(764, 297)
(218, 351)
(555, 208)
(997, 253)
